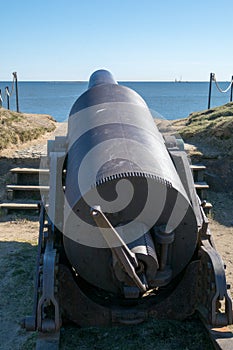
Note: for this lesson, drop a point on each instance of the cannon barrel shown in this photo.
(100, 77)
(117, 159)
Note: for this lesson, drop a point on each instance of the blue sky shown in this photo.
(136, 40)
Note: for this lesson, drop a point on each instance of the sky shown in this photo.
(147, 40)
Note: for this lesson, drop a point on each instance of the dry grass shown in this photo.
(17, 128)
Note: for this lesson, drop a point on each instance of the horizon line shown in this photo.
(119, 81)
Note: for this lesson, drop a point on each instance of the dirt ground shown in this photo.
(18, 240)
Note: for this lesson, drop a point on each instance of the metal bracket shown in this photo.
(118, 247)
(213, 287)
(48, 298)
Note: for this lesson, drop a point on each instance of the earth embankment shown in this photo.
(210, 132)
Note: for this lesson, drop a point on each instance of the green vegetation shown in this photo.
(217, 122)
(211, 130)
(16, 128)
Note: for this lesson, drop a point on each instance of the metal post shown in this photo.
(0, 98)
(231, 88)
(210, 87)
(16, 91)
(8, 97)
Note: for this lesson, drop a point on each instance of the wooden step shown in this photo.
(29, 176)
(27, 188)
(202, 185)
(197, 167)
(29, 171)
(5, 208)
(198, 172)
(22, 206)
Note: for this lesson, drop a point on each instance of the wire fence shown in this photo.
(5, 98)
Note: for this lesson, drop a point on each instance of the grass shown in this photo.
(212, 127)
(16, 286)
(153, 334)
(213, 122)
(217, 122)
(16, 128)
(17, 271)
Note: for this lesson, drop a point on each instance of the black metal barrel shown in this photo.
(117, 159)
(100, 77)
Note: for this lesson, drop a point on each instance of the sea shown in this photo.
(169, 100)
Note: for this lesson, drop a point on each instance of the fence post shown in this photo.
(210, 87)
(0, 98)
(16, 91)
(231, 88)
(8, 97)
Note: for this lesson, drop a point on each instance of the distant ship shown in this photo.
(178, 80)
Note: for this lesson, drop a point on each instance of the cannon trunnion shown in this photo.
(123, 235)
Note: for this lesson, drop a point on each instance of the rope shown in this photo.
(3, 99)
(12, 86)
(218, 87)
(7, 92)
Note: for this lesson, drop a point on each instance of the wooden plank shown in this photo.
(27, 188)
(201, 185)
(197, 167)
(22, 206)
(198, 172)
(29, 171)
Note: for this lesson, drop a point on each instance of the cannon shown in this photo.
(123, 234)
